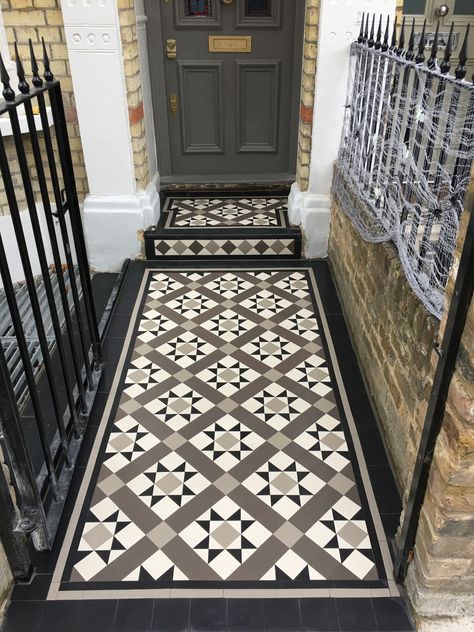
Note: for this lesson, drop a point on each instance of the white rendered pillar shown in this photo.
(115, 210)
(339, 26)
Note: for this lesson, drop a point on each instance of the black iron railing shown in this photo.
(407, 149)
(49, 326)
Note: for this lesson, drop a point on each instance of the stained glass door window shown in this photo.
(258, 8)
(198, 8)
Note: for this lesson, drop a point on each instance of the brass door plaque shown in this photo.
(230, 43)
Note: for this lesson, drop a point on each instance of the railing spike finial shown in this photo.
(386, 35)
(401, 39)
(393, 43)
(23, 85)
(411, 43)
(366, 30)
(48, 75)
(445, 66)
(360, 39)
(371, 40)
(420, 58)
(37, 81)
(378, 41)
(432, 61)
(461, 69)
(8, 93)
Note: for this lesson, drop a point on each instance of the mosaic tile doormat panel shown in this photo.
(232, 212)
(226, 460)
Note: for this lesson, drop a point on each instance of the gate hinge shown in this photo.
(28, 521)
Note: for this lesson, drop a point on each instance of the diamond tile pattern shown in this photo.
(227, 213)
(226, 459)
(209, 246)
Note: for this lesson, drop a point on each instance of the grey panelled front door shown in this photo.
(231, 71)
(458, 12)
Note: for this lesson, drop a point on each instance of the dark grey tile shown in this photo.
(245, 615)
(373, 447)
(118, 326)
(96, 616)
(392, 615)
(23, 616)
(171, 615)
(385, 489)
(208, 615)
(319, 615)
(282, 615)
(133, 615)
(36, 589)
(60, 616)
(390, 523)
(356, 615)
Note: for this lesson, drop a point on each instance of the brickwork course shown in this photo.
(308, 80)
(395, 337)
(34, 19)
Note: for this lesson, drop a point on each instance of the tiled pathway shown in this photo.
(230, 456)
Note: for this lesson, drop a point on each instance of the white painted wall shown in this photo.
(339, 25)
(115, 211)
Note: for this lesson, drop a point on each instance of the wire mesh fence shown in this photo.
(406, 152)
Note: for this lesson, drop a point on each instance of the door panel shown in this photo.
(233, 116)
(461, 13)
(259, 95)
(201, 100)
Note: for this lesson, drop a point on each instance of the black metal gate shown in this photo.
(50, 353)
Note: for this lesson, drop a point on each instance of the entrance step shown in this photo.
(224, 227)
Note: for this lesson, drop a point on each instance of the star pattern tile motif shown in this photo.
(178, 407)
(229, 213)
(276, 406)
(226, 440)
(284, 484)
(225, 536)
(270, 348)
(186, 349)
(228, 376)
(168, 485)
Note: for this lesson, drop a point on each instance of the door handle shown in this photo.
(173, 99)
(171, 48)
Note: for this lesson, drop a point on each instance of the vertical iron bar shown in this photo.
(59, 274)
(42, 258)
(33, 518)
(449, 349)
(65, 237)
(23, 248)
(57, 108)
(23, 346)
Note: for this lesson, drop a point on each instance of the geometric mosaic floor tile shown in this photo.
(284, 484)
(225, 536)
(276, 406)
(227, 442)
(225, 458)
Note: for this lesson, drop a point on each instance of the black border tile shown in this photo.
(97, 615)
(208, 615)
(282, 615)
(356, 615)
(171, 615)
(319, 615)
(392, 615)
(133, 615)
(245, 615)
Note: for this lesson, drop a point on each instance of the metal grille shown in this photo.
(406, 153)
(9, 340)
